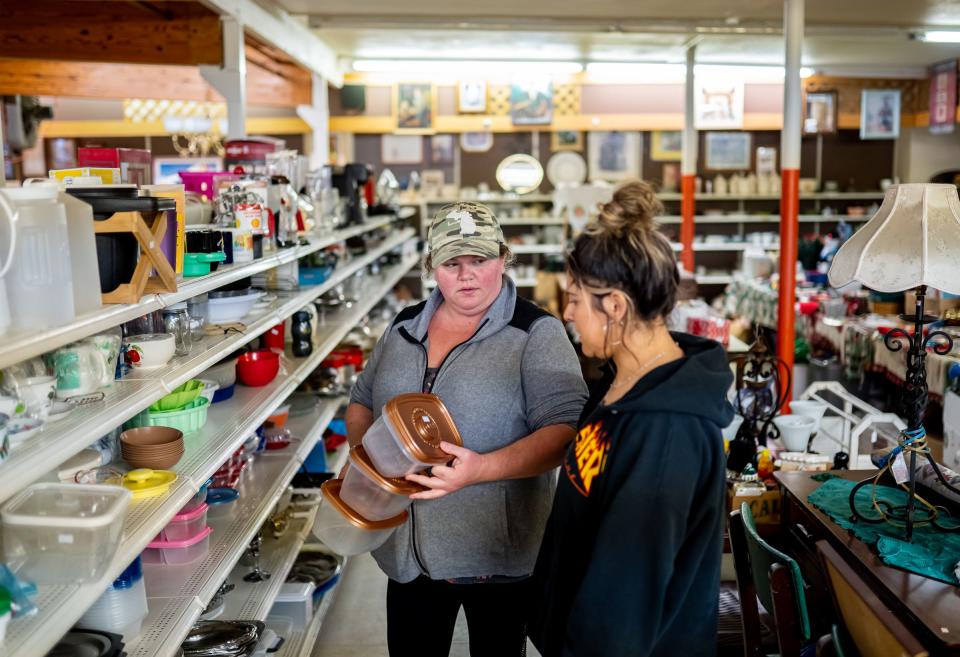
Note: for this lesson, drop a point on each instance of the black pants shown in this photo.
(421, 616)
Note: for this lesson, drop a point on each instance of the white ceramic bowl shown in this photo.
(795, 431)
(150, 350)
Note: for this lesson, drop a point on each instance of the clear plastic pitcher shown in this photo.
(10, 218)
(40, 280)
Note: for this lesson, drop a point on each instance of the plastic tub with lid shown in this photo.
(172, 553)
(199, 499)
(122, 608)
(344, 530)
(294, 601)
(406, 437)
(222, 502)
(372, 495)
(185, 524)
(63, 533)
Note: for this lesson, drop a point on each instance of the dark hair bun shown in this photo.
(634, 209)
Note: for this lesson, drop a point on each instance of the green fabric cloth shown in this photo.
(932, 553)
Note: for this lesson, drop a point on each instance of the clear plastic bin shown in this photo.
(198, 499)
(345, 531)
(372, 495)
(122, 608)
(63, 533)
(221, 502)
(295, 601)
(184, 525)
(406, 437)
(173, 553)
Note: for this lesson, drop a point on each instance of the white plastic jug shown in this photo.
(39, 281)
(10, 216)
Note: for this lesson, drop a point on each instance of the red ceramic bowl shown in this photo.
(258, 368)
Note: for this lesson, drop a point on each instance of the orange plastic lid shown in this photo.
(422, 422)
(396, 485)
(331, 494)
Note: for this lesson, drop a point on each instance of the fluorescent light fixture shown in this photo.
(653, 73)
(939, 36)
(466, 67)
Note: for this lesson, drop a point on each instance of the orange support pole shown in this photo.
(687, 228)
(789, 236)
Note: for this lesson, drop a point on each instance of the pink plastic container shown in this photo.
(185, 525)
(173, 553)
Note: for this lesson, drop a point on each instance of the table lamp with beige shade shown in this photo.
(911, 243)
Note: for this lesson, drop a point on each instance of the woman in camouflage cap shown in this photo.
(510, 377)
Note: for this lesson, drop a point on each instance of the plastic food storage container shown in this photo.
(221, 502)
(295, 601)
(173, 553)
(344, 530)
(122, 608)
(199, 499)
(63, 533)
(184, 525)
(372, 495)
(406, 437)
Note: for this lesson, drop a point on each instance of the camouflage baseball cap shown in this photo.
(464, 228)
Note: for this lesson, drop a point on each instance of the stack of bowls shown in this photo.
(157, 448)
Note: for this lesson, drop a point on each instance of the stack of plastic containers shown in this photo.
(122, 608)
(361, 510)
(186, 537)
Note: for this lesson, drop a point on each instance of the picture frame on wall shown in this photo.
(472, 96)
(166, 170)
(727, 151)
(414, 106)
(431, 183)
(820, 113)
(476, 142)
(442, 149)
(718, 104)
(666, 145)
(613, 155)
(401, 149)
(879, 114)
(531, 101)
(766, 160)
(566, 140)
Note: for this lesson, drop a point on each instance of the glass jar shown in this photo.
(176, 321)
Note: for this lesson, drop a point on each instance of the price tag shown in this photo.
(899, 468)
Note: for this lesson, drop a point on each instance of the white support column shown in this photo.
(792, 100)
(231, 78)
(317, 116)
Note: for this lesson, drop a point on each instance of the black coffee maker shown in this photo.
(349, 181)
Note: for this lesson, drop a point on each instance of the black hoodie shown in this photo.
(630, 563)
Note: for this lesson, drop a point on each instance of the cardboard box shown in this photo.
(934, 303)
(951, 430)
(134, 163)
(765, 507)
(108, 176)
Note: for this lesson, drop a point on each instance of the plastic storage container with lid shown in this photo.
(372, 495)
(63, 533)
(294, 601)
(199, 499)
(178, 552)
(344, 530)
(222, 502)
(122, 607)
(184, 525)
(406, 437)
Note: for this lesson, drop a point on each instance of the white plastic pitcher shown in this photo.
(10, 215)
(39, 281)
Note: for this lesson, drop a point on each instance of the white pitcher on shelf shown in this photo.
(11, 218)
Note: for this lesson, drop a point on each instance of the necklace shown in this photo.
(640, 372)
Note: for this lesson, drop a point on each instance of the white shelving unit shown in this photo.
(229, 424)
(18, 346)
(759, 218)
(532, 221)
(521, 249)
(714, 279)
(131, 395)
(726, 246)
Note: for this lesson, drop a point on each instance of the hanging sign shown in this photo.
(943, 97)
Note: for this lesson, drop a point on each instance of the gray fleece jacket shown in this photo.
(517, 374)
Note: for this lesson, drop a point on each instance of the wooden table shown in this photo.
(930, 609)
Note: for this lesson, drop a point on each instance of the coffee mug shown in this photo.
(38, 393)
(80, 369)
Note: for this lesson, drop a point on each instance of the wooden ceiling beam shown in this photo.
(168, 33)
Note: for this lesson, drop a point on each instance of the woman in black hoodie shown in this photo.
(630, 563)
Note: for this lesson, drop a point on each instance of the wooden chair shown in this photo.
(866, 623)
(766, 573)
